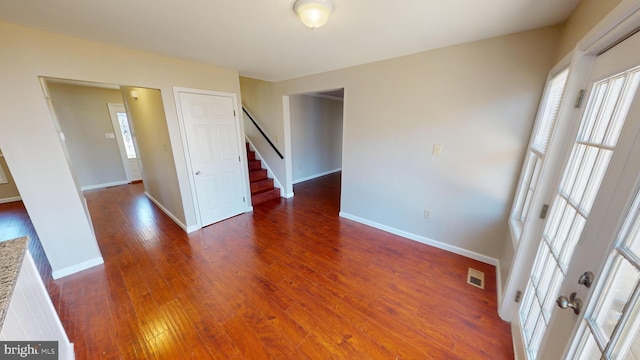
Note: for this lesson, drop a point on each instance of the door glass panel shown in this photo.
(590, 350)
(126, 135)
(581, 180)
(609, 310)
(613, 325)
(629, 347)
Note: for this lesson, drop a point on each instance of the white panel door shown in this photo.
(211, 132)
(598, 181)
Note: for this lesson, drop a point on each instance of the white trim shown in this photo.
(498, 284)
(421, 239)
(170, 215)
(316, 176)
(517, 341)
(57, 274)
(10, 199)
(323, 96)
(104, 185)
(266, 166)
(288, 147)
(114, 109)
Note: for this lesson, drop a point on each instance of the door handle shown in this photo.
(586, 279)
(571, 302)
(198, 172)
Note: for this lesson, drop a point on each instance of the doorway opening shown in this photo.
(316, 122)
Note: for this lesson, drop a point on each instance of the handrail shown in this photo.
(262, 132)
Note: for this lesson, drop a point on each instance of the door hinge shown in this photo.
(579, 99)
(234, 113)
(518, 296)
(544, 211)
(239, 159)
(243, 199)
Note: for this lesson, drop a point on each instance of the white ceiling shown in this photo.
(264, 39)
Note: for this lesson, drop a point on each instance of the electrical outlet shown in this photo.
(427, 214)
(437, 149)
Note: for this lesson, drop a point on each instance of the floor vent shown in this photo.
(475, 278)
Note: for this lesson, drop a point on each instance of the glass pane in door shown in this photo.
(126, 135)
(611, 330)
(583, 174)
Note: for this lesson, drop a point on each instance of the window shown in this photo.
(545, 124)
(126, 135)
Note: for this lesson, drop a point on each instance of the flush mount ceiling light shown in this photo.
(313, 13)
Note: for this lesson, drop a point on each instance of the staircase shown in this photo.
(262, 188)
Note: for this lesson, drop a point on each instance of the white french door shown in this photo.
(594, 174)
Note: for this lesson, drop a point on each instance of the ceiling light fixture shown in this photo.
(313, 13)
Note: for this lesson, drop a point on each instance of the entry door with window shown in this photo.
(592, 199)
(126, 142)
(211, 131)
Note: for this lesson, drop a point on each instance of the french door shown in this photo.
(590, 202)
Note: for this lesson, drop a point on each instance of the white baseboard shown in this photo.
(421, 239)
(316, 176)
(102, 186)
(10, 199)
(57, 274)
(288, 195)
(499, 283)
(170, 215)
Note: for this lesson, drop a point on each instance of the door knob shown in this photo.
(198, 172)
(586, 279)
(571, 302)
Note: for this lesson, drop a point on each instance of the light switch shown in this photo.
(437, 149)
(109, 135)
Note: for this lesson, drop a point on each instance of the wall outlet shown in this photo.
(427, 214)
(437, 149)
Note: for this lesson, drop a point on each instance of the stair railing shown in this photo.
(262, 132)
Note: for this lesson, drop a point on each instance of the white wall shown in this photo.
(477, 99)
(84, 119)
(32, 148)
(316, 136)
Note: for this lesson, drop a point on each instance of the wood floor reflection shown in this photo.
(291, 280)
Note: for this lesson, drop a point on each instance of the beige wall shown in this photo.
(8, 191)
(586, 15)
(477, 99)
(159, 174)
(30, 142)
(84, 119)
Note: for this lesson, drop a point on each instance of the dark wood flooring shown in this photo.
(291, 280)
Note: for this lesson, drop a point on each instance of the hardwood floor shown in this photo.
(291, 280)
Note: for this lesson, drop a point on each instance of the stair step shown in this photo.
(264, 196)
(255, 164)
(251, 155)
(261, 185)
(256, 175)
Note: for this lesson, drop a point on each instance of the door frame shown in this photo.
(621, 21)
(241, 148)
